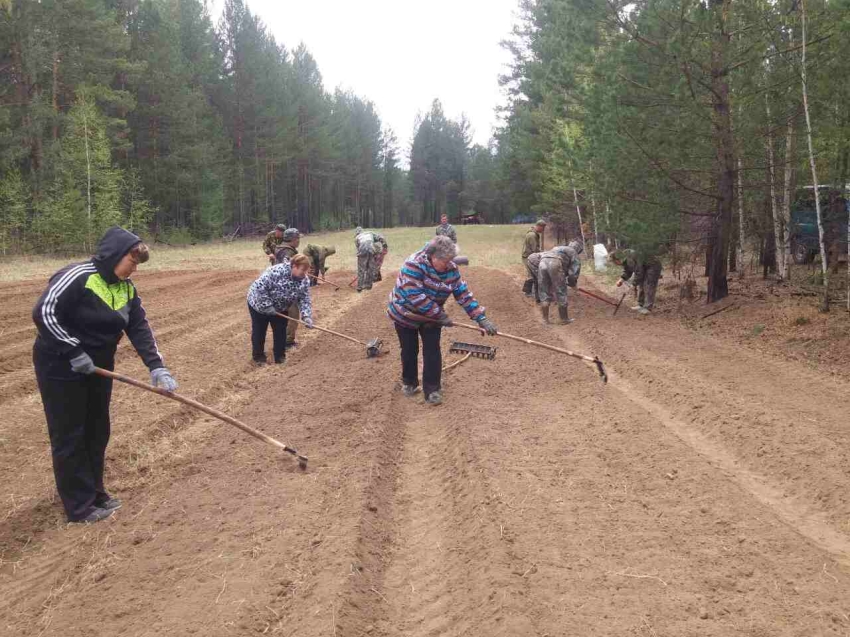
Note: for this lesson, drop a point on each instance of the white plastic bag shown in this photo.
(600, 258)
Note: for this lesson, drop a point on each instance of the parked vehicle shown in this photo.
(472, 218)
(805, 241)
(524, 219)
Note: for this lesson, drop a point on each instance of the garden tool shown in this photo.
(373, 347)
(595, 360)
(324, 280)
(302, 460)
(603, 299)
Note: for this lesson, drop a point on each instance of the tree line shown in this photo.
(671, 124)
(157, 116)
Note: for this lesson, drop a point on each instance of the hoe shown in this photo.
(595, 360)
(302, 460)
(604, 300)
(373, 347)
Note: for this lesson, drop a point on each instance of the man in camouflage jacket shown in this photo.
(317, 256)
(558, 268)
(272, 242)
(532, 243)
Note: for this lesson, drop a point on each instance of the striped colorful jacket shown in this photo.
(420, 293)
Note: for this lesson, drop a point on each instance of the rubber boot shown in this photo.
(564, 316)
(544, 311)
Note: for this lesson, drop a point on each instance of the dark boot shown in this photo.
(544, 312)
(564, 316)
(526, 287)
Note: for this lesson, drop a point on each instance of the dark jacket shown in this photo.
(86, 308)
(284, 251)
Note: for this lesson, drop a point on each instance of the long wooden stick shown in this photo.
(596, 296)
(560, 350)
(324, 329)
(201, 407)
(456, 363)
(320, 278)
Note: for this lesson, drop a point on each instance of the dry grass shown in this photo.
(493, 246)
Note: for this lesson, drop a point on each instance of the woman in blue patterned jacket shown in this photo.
(424, 284)
(268, 299)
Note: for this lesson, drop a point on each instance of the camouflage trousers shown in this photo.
(377, 262)
(646, 281)
(528, 284)
(365, 271)
(291, 326)
(551, 282)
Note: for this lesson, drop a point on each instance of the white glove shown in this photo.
(162, 378)
(82, 364)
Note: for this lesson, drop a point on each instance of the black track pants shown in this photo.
(259, 326)
(77, 411)
(432, 357)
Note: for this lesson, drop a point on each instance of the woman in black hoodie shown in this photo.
(81, 317)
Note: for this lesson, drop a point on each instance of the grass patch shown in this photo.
(492, 246)
(802, 320)
(758, 329)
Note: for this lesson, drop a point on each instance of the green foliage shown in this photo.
(13, 209)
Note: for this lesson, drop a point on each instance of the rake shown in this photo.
(589, 359)
(373, 347)
(302, 460)
(603, 299)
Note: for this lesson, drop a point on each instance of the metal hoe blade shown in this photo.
(373, 348)
(479, 351)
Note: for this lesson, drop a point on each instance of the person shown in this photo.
(446, 229)
(317, 256)
(381, 248)
(557, 269)
(287, 249)
(365, 242)
(272, 241)
(288, 246)
(647, 272)
(532, 243)
(269, 297)
(80, 319)
(416, 308)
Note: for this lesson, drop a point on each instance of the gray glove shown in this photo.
(82, 364)
(445, 322)
(270, 311)
(308, 322)
(488, 327)
(572, 281)
(163, 379)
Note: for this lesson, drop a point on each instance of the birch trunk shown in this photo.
(778, 224)
(812, 163)
(578, 212)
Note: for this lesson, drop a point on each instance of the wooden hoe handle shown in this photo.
(323, 329)
(200, 407)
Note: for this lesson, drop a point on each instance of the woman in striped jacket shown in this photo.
(424, 284)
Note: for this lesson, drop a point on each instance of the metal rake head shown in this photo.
(479, 351)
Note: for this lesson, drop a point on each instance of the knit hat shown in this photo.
(280, 227)
(290, 234)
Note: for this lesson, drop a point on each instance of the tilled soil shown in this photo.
(703, 491)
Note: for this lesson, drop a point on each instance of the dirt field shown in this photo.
(704, 491)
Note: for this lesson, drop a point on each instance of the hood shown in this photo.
(111, 249)
(576, 245)
(329, 250)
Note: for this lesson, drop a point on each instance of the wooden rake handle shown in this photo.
(528, 341)
(302, 460)
(323, 279)
(323, 329)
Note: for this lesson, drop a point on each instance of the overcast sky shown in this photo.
(401, 54)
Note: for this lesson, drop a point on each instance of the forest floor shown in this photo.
(703, 491)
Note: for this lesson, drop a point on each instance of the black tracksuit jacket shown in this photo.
(86, 308)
